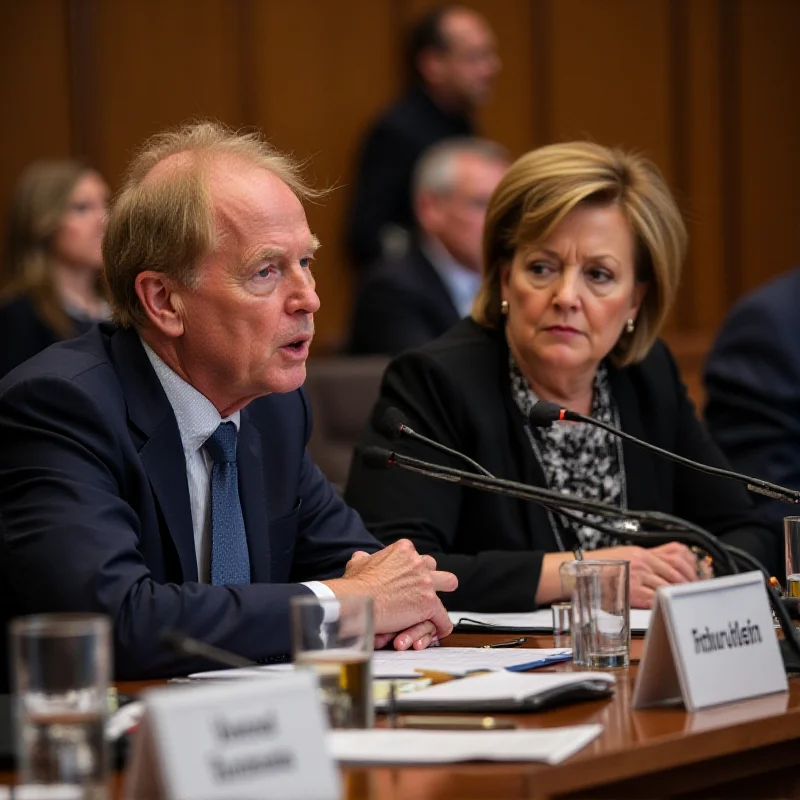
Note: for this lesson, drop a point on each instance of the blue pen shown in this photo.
(541, 662)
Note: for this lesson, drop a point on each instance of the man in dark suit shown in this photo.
(407, 301)
(752, 381)
(156, 470)
(452, 64)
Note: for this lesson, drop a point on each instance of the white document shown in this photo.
(540, 621)
(550, 746)
(455, 661)
(459, 661)
(261, 671)
(508, 692)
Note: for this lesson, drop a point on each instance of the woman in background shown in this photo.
(583, 249)
(54, 261)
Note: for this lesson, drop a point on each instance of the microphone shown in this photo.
(394, 424)
(544, 414)
(185, 645)
(380, 458)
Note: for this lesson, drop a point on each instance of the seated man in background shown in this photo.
(752, 382)
(452, 62)
(156, 470)
(407, 301)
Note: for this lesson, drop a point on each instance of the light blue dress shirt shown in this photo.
(197, 419)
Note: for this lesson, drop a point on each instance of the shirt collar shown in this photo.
(195, 414)
(461, 282)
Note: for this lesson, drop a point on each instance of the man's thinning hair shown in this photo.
(436, 170)
(165, 222)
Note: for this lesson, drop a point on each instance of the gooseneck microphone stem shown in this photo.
(381, 458)
(394, 425)
(544, 414)
(185, 645)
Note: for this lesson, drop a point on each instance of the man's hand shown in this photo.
(403, 585)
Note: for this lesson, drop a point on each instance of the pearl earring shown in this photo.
(630, 326)
(504, 308)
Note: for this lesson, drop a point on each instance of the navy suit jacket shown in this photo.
(95, 514)
(752, 381)
(403, 303)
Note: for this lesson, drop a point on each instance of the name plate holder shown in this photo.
(710, 642)
(247, 739)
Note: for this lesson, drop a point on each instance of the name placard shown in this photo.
(710, 642)
(246, 739)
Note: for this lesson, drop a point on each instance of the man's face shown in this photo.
(470, 63)
(248, 324)
(456, 218)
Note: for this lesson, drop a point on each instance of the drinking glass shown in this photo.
(600, 621)
(335, 638)
(791, 538)
(61, 672)
(562, 612)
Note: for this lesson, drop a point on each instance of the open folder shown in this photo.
(540, 621)
(508, 692)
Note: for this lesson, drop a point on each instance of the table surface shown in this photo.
(746, 749)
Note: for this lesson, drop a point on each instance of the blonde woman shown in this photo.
(53, 259)
(583, 249)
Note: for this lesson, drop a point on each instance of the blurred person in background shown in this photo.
(452, 62)
(752, 382)
(408, 300)
(54, 259)
(583, 250)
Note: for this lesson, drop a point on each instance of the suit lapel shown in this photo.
(161, 451)
(526, 467)
(433, 289)
(253, 499)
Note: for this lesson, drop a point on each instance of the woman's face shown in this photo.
(78, 240)
(570, 295)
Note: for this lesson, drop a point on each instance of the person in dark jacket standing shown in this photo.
(453, 63)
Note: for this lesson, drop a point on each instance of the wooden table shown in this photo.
(749, 749)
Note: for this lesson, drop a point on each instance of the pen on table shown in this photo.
(509, 643)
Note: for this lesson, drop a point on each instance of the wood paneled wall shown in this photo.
(707, 88)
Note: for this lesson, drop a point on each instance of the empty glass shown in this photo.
(562, 613)
(61, 672)
(600, 620)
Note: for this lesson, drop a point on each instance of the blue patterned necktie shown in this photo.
(230, 562)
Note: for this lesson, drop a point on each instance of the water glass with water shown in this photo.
(61, 672)
(599, 592)
(791, 538)
(335, 638)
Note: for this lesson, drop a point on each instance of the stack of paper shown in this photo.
(508, 692)
(550, 746)
(530, 621)
(460, 661)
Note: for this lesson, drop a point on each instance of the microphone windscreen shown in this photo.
(391, 422)
(543, 414)
(376, 457)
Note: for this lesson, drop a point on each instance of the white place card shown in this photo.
(710, 642)
(243, 739)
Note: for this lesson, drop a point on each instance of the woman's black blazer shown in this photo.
(456, 390)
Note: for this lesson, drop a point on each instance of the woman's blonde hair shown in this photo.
(543, 186)
(167, 224)
(38, 205)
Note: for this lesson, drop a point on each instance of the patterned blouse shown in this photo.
(579, 460)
